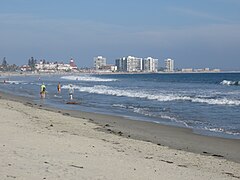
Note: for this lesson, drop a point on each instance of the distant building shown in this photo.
(121, 64)
(169, 65)
(72, 64)
(99, 62)
(129, 64)
(150, 64)
(44, 66)
(25, 68)
(216, 70)
(187, 70)
(134, 64)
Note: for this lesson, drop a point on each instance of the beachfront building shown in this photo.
(99, 62)
(134, 64)
(44, 66)
(72, 64)
(150, 64)
(169, 65)
(187, 70)
(129, 64)
(121, 64)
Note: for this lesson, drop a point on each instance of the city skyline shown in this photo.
(194, 34)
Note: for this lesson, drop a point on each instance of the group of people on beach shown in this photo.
(59, 86)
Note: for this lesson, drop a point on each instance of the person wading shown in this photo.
(71, 91)
(43, 90)
(59, 88)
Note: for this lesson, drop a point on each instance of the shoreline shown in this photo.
(178, 138)
(106, 73)
(37, 142)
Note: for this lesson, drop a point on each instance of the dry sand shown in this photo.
(41, 144)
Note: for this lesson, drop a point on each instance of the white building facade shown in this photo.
(150, 64)
(42, 66)
(129, 64)
(99, 62)
(169, 65)
(135, 64)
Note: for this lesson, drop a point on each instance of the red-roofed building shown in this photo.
(72, 64)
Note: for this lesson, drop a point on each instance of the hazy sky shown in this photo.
(194, 33)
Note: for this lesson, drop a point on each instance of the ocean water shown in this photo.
(207, 103)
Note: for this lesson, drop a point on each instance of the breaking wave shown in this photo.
(87, 78)
(163, 97)
(222, 130)
(230, 83)
(14, 82)
(147, 112)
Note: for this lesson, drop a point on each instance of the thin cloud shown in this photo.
(204, 15)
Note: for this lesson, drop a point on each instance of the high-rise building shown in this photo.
(99, 62)
(121, 64)
(134, 64)
(129, 64)
(150, 64)
(169, 65)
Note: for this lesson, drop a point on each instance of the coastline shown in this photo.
(105, 73)
(178, 138)
(72, 145)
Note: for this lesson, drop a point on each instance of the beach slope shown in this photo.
(41, 144)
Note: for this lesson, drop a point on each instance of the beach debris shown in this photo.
(75, 166)
(217, 155)
(180, 165)
(120, 133)
(232, 175)
(150, 157)
(63, 131)
(205, 152)
(10, 176)
(106, 125)
(170, 162)
(66, 114)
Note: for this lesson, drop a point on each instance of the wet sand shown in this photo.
(42, 142)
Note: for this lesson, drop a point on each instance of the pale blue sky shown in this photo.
(195, 34)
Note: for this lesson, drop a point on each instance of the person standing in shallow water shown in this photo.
(43, 90)
(59, 88)
(71, 91)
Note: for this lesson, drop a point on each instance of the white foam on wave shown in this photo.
(73, 86)
(229, 83)
(164, 97)
(222, 101)
(14, 82)
(221, 130)
(146, 112)
(87, 78)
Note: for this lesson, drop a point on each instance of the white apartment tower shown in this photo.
(99, 62)
(150, 64)
(129, 64)
(134, 64)
(169, 64)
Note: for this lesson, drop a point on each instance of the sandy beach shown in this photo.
(37, 142)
